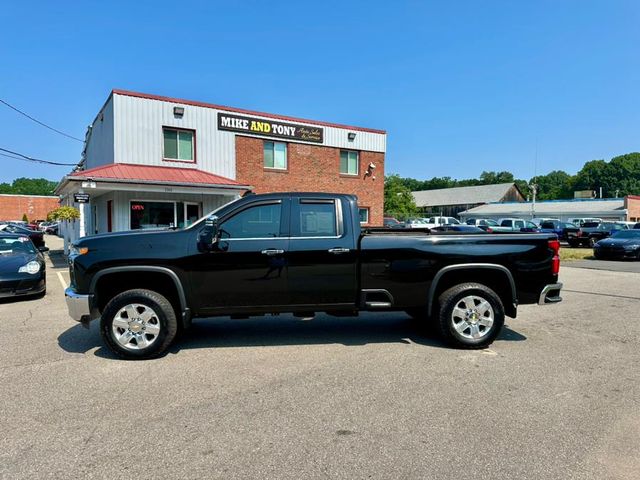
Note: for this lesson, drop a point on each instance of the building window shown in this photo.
(363, 212)
(275, 155)
(348, 162)
(148, 215)
(179, 145)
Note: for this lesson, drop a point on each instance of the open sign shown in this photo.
(137, 207)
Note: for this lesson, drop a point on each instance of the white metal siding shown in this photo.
(100, 144)
(138, 135)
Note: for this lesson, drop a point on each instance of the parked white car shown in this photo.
(434, 222)
(415, 223)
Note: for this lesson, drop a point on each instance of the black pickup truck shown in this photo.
(303, 253)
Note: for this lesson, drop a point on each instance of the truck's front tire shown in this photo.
(138, 324)
(471, 316)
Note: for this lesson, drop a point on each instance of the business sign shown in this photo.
(81, 197)
(269, 128)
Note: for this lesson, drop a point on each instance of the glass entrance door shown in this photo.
(191, 213)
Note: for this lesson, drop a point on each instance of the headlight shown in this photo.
(74, 250)
(31, 267)
(631, 247)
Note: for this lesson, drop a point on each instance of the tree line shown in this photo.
(29, 186)
(618, 177)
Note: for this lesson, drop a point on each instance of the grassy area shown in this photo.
(568, 254)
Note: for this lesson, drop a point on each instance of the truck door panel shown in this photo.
(322, 254)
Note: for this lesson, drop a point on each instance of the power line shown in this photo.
(40, 123)
(20, 156)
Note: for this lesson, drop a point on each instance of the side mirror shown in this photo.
(43, 249)
(208, 236)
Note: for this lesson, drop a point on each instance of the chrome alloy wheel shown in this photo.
(136, 326)
(472, 317)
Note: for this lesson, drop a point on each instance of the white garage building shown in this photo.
(605, 208)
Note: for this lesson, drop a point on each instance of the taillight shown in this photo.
(555, 261)
(489, 230)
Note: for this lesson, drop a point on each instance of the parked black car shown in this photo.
(22, 266)
(622, 244)
(564, 230)
(591, 233)
(36, 237)
(303, 253)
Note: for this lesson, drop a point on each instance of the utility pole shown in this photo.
(534, 189)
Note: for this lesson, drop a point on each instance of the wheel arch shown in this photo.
(493, 275)
(129, 276)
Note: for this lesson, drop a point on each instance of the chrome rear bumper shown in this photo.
(550, 294)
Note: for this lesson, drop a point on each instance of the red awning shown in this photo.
(155, 174)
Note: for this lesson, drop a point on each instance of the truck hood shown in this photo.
(132, 243)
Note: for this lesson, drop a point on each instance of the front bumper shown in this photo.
(550, 294)
(79, 305)
(16, 287)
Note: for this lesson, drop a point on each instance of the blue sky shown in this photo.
(460, 86)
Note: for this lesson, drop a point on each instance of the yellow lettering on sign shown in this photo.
(257, 126)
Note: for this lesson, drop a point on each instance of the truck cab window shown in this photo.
(317, 220)
(260, 221)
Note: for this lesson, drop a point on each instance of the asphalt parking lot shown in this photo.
(557, 396)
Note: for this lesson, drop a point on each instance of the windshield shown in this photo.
(15, 245)
(627, 234)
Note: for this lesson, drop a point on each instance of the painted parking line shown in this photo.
(62, 282)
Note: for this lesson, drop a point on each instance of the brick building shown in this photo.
(632, 205)
(313, 168)
(13, 207)
(156, 162)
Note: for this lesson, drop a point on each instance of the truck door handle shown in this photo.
(338, 250)
(272, 251)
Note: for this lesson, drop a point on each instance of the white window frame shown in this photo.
(286, 155)
(357, 162)
(367, 210)
(184, 212)
(193, 145)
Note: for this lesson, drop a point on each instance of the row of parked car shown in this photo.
(581, 232)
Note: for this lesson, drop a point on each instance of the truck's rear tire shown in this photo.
(138, 324)
(471, 316)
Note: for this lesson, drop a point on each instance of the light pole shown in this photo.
(534, 189)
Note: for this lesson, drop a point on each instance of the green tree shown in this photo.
(554, 185)
(492, 178)
(29, 186)
(625, 172)
(398, 200)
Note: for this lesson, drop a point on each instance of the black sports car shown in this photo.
(22, 266)
(35, 236)
(622, 244)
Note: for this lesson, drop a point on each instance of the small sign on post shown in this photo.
(81, 197)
